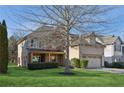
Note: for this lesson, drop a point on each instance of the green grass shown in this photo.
(18, 76)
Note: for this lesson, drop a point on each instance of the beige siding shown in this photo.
(21, 54)
(74, 52)
(94, 55)
(92, 50)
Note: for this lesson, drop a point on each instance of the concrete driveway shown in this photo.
(111, 70)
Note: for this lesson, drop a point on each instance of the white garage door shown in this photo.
(94, 62)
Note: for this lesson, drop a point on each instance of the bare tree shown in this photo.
(79, 19)
(19, 34)
(12, 47)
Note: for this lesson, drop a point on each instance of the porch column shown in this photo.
(31, 57)
(49, 57)
(102, 59)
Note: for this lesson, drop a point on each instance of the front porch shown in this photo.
(46, 56)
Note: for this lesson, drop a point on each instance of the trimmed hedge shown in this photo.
(114, 65)
(75, 62)
(118, 64)
(79, 63)
(34, 66)
(83, 63)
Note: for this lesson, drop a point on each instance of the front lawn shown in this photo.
(18, 76)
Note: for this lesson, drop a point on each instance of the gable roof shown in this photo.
(44, 29)
(77, 42)
(110, 39)
(105, 40)
(85, 41)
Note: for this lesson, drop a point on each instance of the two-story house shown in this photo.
(88, 48)
(113, 48)
(41, 45)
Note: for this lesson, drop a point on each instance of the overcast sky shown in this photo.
(8, 13)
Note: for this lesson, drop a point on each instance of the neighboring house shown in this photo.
(113, 48)
(86, 47)
(122, 50)
(93, 43)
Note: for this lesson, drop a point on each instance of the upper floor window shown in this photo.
(123, 49)
(39, 44)
(117, 47)
(32, 42)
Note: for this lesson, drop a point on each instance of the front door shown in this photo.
(42, 58)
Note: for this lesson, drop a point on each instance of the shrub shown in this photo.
(83, 63)
(75, 62)
(106, 64)
(118, 64)
(79, 63)
(33, 66)
(114, 65)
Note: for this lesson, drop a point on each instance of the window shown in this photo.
(32, 41)
(123, 49)
(117, 47)
(36, 59)
(120, 48)
(114, 46)
(53, 58)
(36, 44)
(39, 44)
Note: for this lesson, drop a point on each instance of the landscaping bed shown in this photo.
(45, 65)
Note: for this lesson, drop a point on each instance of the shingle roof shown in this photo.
(109, 39)
(105, 40)
(44, 30)
(85, 41)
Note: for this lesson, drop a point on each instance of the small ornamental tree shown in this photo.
(3, 48)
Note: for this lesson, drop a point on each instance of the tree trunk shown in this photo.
(67, 61)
